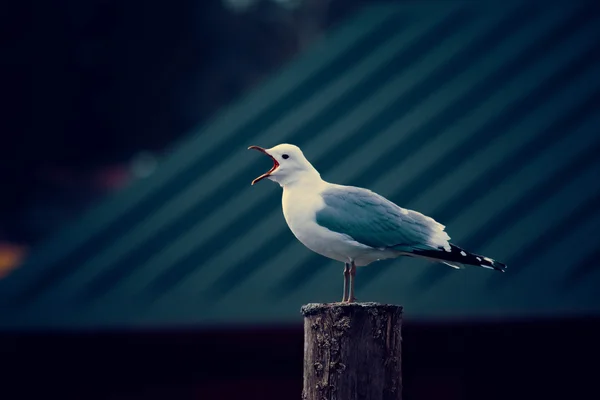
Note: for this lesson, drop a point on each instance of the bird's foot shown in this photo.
(351, 300)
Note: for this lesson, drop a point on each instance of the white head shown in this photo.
(289, 164)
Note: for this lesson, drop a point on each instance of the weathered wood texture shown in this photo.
(352, 351)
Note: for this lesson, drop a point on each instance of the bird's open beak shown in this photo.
(269, 172)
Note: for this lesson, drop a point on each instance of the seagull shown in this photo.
(354, 225)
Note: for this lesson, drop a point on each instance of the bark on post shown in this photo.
(352, 351)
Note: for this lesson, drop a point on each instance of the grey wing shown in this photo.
(371, 219)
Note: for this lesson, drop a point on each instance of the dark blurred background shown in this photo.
(98, 93)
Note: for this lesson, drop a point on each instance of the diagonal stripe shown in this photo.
(534, 195)
(421, 118)
(549, 267)
(499, 173)
(413, 52)
(547, 238)
(112, 219)
(430, 83)
(457, 109)
(191, 205)
(242, 268)
(354, 54)
(506, 217)
(408, 101)
(218, 243)
(229, 244)
(519, 158)
(582, 269)
(540, 168)
(508, 167)
(512, 114)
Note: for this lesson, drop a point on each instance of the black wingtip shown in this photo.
(498, 266)
(464, 257)
(485, 262)
(489, 263)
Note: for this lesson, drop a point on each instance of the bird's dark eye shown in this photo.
(285, 156)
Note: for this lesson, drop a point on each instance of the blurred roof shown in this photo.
(483, 116)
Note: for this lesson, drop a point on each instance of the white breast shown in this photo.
(300, 206)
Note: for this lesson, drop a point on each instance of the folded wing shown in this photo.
(373, 220)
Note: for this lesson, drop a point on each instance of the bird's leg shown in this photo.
(346, 277)
(351, 298)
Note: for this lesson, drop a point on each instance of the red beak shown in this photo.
(273, 168)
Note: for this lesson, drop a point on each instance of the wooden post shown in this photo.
(352, 351)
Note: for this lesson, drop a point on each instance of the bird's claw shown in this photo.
(350, 300)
